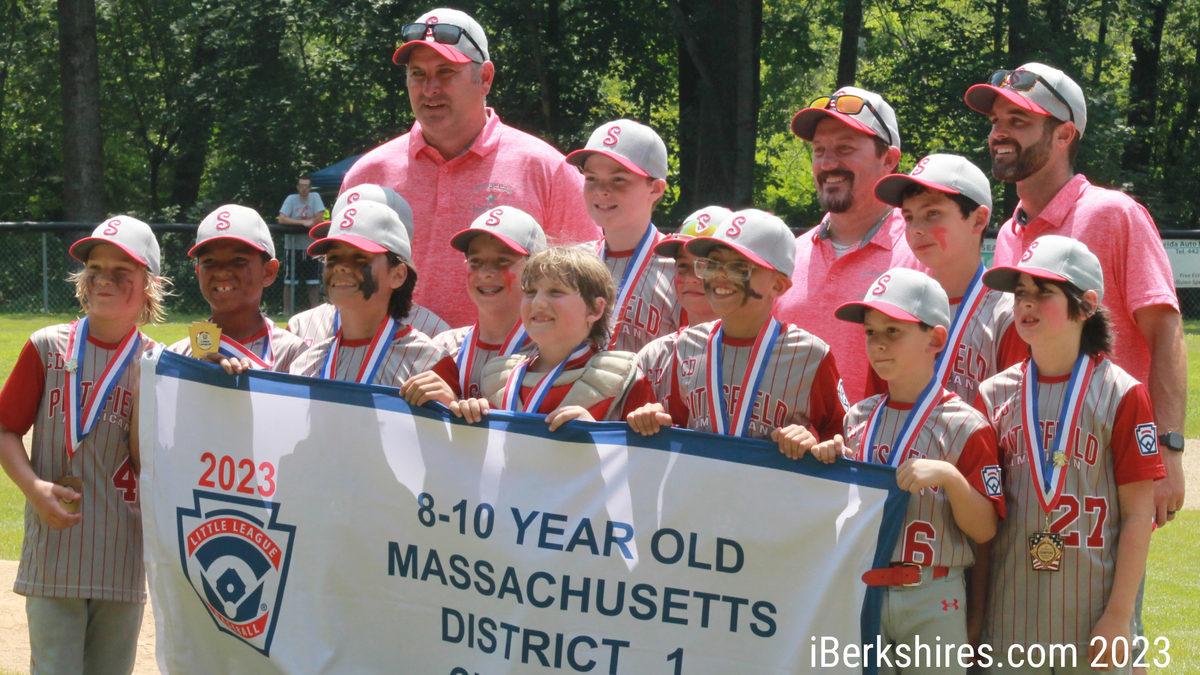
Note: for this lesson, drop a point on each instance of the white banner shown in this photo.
(296, 525)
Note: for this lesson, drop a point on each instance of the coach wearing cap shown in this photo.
(855, 142)
(459, 159)
(1038, 118)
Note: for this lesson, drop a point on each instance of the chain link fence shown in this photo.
(34, 265)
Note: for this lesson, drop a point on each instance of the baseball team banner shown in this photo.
(299, 525)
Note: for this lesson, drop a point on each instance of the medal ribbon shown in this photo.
(958, 328)
(374, 358)
(717, 411)
(234, 349)
(930, 397)
(81, 415)
(512, 388)
(642, 256)
(1050, 478)
(469, 350)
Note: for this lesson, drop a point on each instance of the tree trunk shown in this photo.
(194, 135)
(998, 31)
(1018, 33)
(1101, 44)
(83, 140)
(848, 54)
(1143, 85)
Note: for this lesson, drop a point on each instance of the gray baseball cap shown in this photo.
(1038, 98)
(461, 51)
(1052, 257)
(372, 193)
(517, 229)
(702, 223)
(881, 122)
(904, 294)
(632, 145)
(945, 173)
(128, 234)
(760, 236)
(232, 221)
(370, 226)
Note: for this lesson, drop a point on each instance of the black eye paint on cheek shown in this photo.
(747, 292)
(368, 285)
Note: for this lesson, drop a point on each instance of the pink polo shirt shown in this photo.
(503, 166)
(1121, 233)
(822, 282)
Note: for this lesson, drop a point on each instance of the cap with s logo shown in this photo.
(949, 174)
(1039, 98)
(234, 222)
(881, 123)
(369, 226)
(128, 234)
(760, 236)
(517, 229)
(461, 52)
(372, 193)
(904, 294)
(700, 224)
(1052, 257)
(634, 146)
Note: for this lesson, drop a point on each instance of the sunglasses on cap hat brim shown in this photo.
(702, 246)
(889, 188)
(840, 107)
(194, 251)
(359, 242)
(445, 40)
(462, 240)
(80, 250)
(856, 312)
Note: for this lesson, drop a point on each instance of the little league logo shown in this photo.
(1147, 438)
(236, 556)
(991, 481)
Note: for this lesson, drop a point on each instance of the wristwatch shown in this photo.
(1172, 440)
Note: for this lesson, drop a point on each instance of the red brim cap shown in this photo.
(669, 247)
(855, 312)
(1005, 278)
(320, 230)
(804, 123)
(580, 156)
(319, 247)
(206, 242)
(889, 188)
(88, 243)
(702, 245)
(982, 97)
(462, 240)
(450, 53)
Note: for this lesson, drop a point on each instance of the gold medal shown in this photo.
(1059, 458)
(76, 484)
(1046, 549)
(206, 338)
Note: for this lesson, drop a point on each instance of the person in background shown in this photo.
(303, 209)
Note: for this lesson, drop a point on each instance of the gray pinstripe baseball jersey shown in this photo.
(651, 310)
(316, 324)
(410, 353)
(655, 361)
(452, 340)
(285, 345)
(990, 344)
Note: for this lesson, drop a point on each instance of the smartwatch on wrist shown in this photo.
(1172, 440)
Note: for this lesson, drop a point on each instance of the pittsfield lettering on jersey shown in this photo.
(1013, 445)
(642, 314)
(767, 415)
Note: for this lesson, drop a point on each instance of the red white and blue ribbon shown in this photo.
(374, 358)
(468, 351)
(958, 328)
(642, 257)
(930, 397)
(1050, 478)
(81, 415)
(512, 388)
(236, 350)
(744, 403)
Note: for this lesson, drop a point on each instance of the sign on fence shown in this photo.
(1184, 255)
(298, 525)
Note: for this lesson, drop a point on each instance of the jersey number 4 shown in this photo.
(125, 480)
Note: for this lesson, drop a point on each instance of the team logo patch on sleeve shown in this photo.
(991, 481)
(842, 396)
(1147, 439)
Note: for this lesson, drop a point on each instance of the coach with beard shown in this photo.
(855, 142)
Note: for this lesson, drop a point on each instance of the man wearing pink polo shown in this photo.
(855, 142)
(459, 159)
(1038, 117)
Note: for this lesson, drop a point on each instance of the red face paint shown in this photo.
(939, 233)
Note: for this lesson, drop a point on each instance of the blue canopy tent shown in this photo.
(331, 176)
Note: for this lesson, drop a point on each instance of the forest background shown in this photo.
(166, 108)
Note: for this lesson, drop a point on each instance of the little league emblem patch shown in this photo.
(1147, 438)
(236, 557)
(991, 481)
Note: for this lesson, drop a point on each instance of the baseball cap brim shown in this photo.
(889, 188)
(319, 247)
(192, 251)
(856, 312)
(462, 241)
(982, 97)
(580, 156)
(320, 230)
(669, 247)
(1005, 278)
(702, 245)
(79, 250)
(448, 51)
(804, 123)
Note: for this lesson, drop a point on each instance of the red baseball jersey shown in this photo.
(452, 341)
(651, 310)
(800, 383)
(1117, 445)
(954, 432)
(316, 324)
(100, 558)
(285, 346)
(656, 360)
(410, 353)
